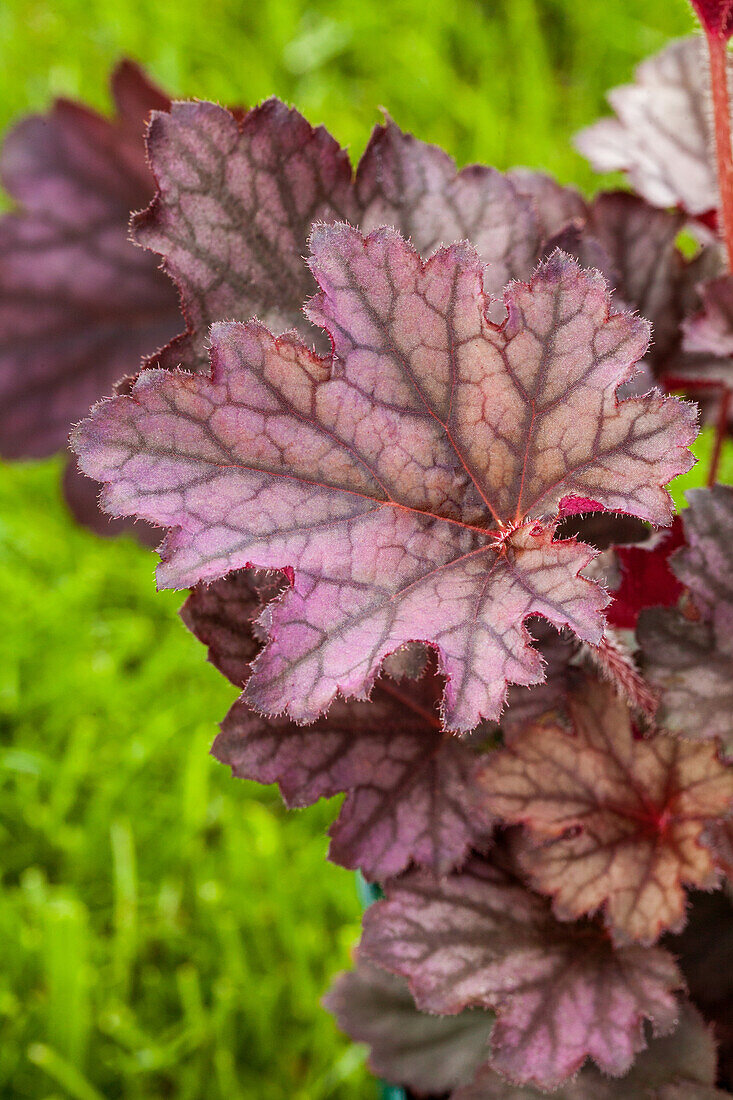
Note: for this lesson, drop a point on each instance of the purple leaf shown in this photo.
(554, 206)
(710, 331)
(238, 197)
(416, 188)
(525, 705)
(222, 616)
(430, 1054)
(647, 269)
(691, 662)
(685, 1060)
(79, 304)
(412, 790)
(236, 202)
(662, 134)
(412, 483)
(612, 822)
(562, 992)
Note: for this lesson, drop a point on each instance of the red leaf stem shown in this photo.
(718, 53)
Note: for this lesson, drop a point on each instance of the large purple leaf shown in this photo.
(430, 1054)
(691, 661)
(412, 483)
(685, 1060)
(562, 992)
(611, 822)
(662, 134)
(413, 794)
(79, 304)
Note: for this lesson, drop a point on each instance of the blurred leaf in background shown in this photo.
(168, 931)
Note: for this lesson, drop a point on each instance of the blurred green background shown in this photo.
(167, 931)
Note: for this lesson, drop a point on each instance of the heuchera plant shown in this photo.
(416, 483)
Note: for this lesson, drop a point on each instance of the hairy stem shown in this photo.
(718, 53)
(616, 665)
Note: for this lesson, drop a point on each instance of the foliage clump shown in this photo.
(417, 485)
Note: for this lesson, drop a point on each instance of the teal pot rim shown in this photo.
(369, 892)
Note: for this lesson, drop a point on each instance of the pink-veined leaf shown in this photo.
(412, 484)
(412, 790)
(562, 992)
(661, 135)
(612, 822)
(79, 304)
(686, 1058)
(223, 616)
(430, 1054)
(691, 661)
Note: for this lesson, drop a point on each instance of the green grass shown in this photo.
(167, 931)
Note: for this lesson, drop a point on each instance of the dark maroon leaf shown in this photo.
(710, 331)
(526, 704)
(430, 1054)
(705, 953)
(690, 661)
(236, 202)
(222, 615)
(412, 790)
(648, 270)
(79, 304)
(554, 206)
(562, 992)
(416, 188)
